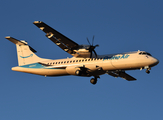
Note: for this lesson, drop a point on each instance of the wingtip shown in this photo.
(7, 37)
(36, 22)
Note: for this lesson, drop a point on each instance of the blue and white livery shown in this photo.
(85, 61)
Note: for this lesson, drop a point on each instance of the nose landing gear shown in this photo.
(147, 71)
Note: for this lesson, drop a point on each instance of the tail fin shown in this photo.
(25, 53)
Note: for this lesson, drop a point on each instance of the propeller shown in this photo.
(92, 48)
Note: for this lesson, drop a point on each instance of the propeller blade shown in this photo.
(95, 53)
(93, 40)
(88, 41)
(92, 48)
(91, 54)
(97, 45)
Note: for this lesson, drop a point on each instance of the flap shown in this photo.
(121, 74)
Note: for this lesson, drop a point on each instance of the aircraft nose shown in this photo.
(155, 61)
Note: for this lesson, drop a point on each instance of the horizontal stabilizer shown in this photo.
(17, 42)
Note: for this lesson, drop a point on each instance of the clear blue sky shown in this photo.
(118, 26)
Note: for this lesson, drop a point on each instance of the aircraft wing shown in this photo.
(60, 40)
(121, 74)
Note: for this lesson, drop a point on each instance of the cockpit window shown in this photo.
(145, 53)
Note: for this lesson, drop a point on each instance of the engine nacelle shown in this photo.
(72, 70)
(85, 70)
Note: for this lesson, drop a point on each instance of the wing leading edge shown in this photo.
(59, 39)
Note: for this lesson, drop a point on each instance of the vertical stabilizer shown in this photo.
(25, 53)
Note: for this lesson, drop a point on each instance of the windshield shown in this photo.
(145, 53)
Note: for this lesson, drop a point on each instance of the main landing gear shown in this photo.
(94, 80)
(80, 73)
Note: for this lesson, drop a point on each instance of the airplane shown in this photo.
(85, 61)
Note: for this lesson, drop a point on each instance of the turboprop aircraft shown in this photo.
(85, 61)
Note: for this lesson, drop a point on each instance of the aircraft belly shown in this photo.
(42, 71)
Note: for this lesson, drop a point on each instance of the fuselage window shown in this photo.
(67, 61)
(79, 60)
(83, 60)
(73, 61)
(88, 59)
(76, 60)
(64, 61)
(70, 61)
(58, 62)
(61, 62)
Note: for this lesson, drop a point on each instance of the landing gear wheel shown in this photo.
(147, 71)
(78, 72)
(93, 81)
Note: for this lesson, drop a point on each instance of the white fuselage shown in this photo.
(96, 66)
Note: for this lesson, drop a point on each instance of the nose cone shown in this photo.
(155, 61)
